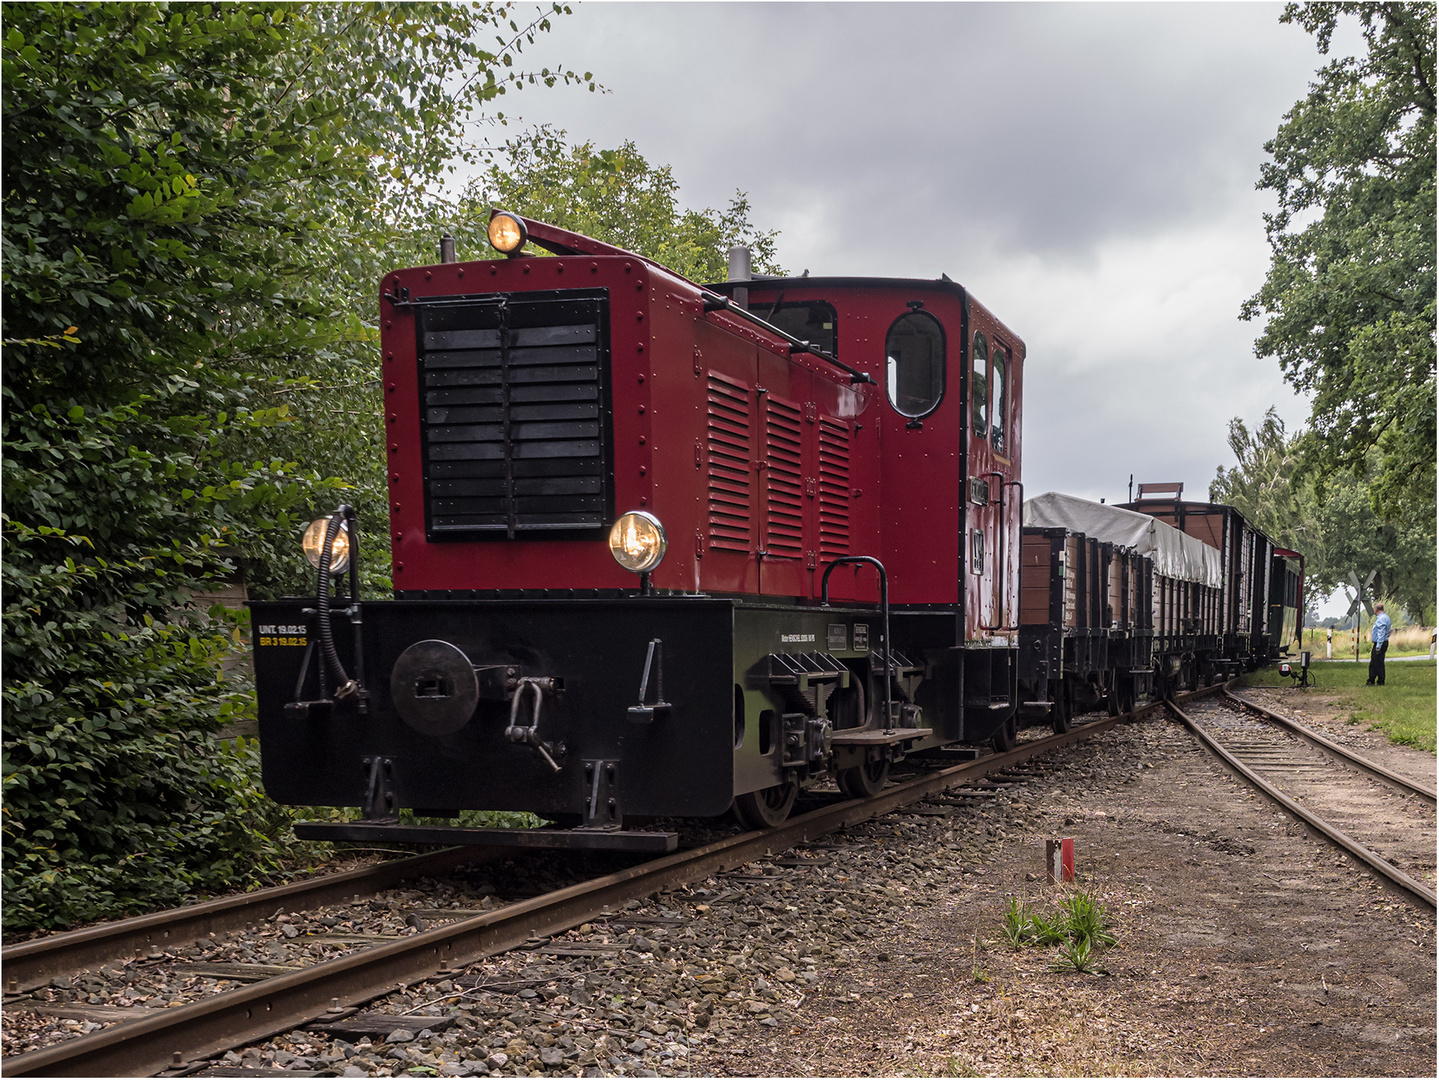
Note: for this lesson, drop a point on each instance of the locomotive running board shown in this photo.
(564, 839)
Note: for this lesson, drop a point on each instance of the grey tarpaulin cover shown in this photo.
(1174, 553)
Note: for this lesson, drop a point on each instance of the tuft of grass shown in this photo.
(1050, 929)
(1085, 919)
(1080, 955)
(1018, 925)
(1078, 926)
(976, 971)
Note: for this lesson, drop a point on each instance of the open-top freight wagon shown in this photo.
(1262, 606)
(1116, 603)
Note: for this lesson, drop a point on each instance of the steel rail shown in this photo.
(31, 964)
(1392, 876)
(1334, 750)
(182, 1034)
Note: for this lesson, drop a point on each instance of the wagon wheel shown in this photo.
(1005, 738)
(1061, 713)
(767, 807)
(1126, 693)
(1111, 699)
(864, 780)
(1190, 674)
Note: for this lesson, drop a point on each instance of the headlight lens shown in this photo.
(637, 541)
(507, 232)
(315, 540)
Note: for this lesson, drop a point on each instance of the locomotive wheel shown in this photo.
(864, 780)
(767, 807)
(1006, 737)
(1061, 713)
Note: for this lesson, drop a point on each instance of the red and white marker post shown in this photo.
(1059, 859)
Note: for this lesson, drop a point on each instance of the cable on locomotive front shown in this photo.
(334, 554)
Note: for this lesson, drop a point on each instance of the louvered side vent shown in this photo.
(516, 415)
(784, 479)
(730, 464)
(833, 487)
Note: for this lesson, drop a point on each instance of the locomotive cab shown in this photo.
(948, 429)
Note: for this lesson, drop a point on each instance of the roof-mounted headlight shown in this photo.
(314, 542)
(637, 541)
(507, 232)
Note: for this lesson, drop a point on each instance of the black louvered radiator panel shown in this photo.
(515, 423)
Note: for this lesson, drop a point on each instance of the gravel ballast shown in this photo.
(1243, 947)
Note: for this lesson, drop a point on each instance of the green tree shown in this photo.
(615, 196)
(1263, 484)
(1350, 296)
(1333, 524)
(188, 190)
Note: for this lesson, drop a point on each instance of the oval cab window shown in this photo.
(914, 351)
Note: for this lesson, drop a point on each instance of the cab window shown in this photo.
(979, 386)
(914, 352)
(999, 381)
(809, 320)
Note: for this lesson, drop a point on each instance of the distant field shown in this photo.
(1410, 641)
(1403, 708)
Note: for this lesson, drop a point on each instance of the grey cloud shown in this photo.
(1053, 125)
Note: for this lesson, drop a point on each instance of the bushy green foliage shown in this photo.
(191, 192)
(116, 795)
(1350, 296)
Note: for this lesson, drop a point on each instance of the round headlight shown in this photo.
(637, 541)
(339, 549)
(507, 232)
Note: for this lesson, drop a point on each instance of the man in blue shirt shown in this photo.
(1380, 636)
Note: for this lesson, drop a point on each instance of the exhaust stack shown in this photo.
(739, 271)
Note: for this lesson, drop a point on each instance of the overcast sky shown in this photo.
(1086, 170)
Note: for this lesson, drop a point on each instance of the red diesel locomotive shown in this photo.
(658, 549)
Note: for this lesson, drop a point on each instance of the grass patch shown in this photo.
(1078, 926)
(1403, 641)
(1403, 708)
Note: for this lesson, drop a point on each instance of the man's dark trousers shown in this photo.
(1376, 663)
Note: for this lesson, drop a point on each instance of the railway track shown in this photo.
(32, 964)
(173, 1038)
(1384, 821)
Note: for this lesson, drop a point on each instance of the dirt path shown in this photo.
(1245, 947)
